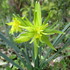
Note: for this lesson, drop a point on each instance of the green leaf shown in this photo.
(48, 17)
(13, 56)
(11, 61)
(8, 68)
(55, 55)
(45, 39)
(54, 25)
(57, 40)
(17, 50)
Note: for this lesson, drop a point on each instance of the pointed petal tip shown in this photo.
(37, 2)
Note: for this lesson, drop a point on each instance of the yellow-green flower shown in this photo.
(15, 26)
(34, 32)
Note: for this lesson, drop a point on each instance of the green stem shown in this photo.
(36, 63)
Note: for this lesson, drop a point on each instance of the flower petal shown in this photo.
(52, 31)
(37, 14)
(10, 23)
(23, 37)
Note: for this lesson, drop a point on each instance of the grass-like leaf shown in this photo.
(56, 42)
(11, 61)
(16, 49)
(55, 55)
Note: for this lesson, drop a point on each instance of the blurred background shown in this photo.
(59, 11)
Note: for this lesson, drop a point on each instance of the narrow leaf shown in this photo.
(46, 40)
(55, 55)
(11, 61)
(12, 45)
